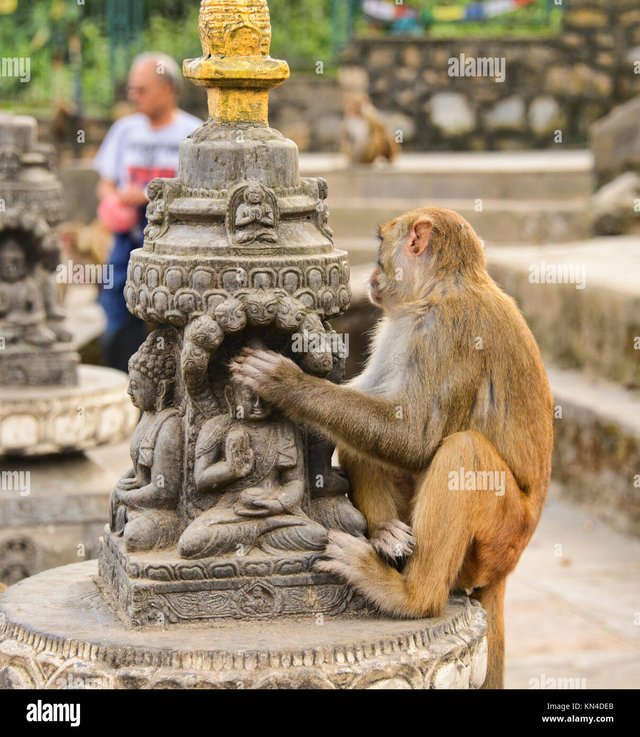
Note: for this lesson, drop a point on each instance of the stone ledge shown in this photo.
(77, 640)
(591, 328)
(597, 448)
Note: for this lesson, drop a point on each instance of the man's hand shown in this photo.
(133, 196)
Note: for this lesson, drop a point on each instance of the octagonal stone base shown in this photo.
(38, 421)
(76, 641)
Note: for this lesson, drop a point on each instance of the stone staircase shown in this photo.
(519, 197)
(590, 340)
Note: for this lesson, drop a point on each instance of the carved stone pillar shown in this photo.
(238, 252)
(34, 346)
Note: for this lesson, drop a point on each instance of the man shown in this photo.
(137, 149)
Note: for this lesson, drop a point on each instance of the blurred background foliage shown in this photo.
(79, 54)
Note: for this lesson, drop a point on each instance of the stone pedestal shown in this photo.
(148, 588)
(77, 641)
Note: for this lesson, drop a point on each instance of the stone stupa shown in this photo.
(52, 408)
(206, 573)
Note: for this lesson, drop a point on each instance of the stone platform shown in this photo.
(36, 421)
(77, 641)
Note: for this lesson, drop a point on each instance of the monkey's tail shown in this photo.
(492, 600)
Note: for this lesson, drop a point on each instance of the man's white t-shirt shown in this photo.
(134, 153)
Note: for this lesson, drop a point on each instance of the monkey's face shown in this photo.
(418, 249)
(393, 281)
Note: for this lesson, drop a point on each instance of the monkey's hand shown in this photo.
(268, 374)
(393, 541)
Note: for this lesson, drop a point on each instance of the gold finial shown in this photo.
(236, 66)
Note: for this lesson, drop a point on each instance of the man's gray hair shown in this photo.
(167, 68)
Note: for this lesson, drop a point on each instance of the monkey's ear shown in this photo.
(420, 236)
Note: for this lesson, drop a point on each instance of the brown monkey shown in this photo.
(454, 395)
(365, 137)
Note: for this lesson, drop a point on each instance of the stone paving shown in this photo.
(573, 605)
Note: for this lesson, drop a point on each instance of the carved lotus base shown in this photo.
(37, 421)
(160, 587)
(76, 641)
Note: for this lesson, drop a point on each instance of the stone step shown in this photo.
(543, 175)
(595, 328)
(597, 447)
(500, 222)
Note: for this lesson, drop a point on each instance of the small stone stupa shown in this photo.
(49, 403)
(206, 573)
(52, 409)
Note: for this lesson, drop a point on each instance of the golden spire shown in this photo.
(235, 65)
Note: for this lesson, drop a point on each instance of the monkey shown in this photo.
(365, 137)
(454, 389)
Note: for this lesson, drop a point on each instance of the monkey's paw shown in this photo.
(269, 374)
(393, 541)
(345, 556)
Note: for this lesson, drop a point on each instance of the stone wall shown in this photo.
(308, 109)
(563, 83)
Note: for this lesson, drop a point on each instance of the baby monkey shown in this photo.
(446, 436)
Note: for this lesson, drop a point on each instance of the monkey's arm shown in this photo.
(370, 425)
